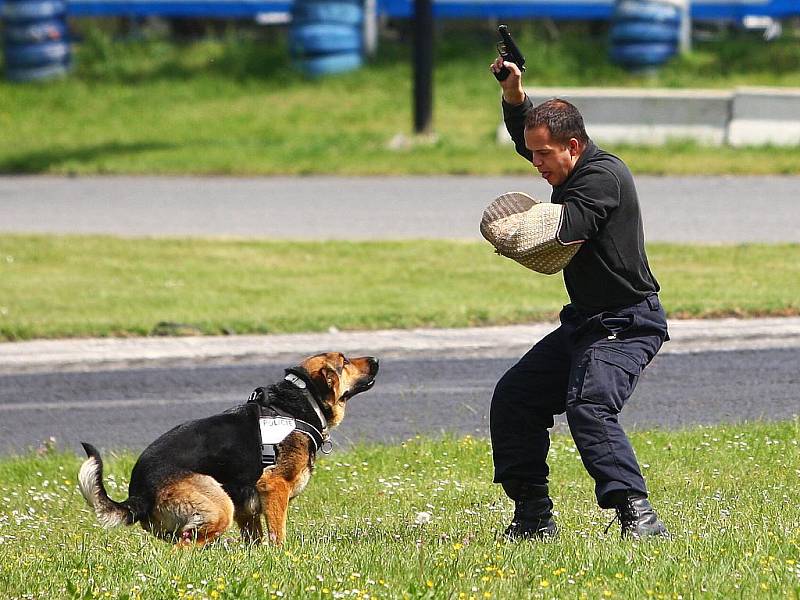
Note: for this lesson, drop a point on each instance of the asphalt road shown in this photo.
(420, 392)
(425, 393)
(676, 209)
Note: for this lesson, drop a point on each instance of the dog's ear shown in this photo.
(325, 380)
(330, 377)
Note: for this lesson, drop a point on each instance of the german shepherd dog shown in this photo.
(193, 481)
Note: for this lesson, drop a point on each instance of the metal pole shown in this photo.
(423, 66)
(370, 27)
(686, 27)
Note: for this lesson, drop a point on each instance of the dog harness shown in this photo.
(275, 425)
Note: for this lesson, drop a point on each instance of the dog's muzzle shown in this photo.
(364, 384)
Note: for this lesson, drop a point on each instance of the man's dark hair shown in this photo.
(561, 118)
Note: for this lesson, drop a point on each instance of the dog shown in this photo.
(190, 484)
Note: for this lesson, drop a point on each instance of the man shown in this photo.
(611, 329)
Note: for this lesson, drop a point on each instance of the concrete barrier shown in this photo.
(741, 117)
(762, 116)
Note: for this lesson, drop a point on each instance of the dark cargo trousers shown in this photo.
(588, 368)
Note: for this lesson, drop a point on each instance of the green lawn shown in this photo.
(74, 286)
(421, 520)
(234, 106)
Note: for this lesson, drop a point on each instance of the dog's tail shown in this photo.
(90, 481)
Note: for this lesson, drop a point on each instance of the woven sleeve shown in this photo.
(525, 230)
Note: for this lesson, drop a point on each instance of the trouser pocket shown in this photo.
(616, 324)
(608, 377)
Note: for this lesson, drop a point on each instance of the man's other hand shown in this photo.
(512, 85)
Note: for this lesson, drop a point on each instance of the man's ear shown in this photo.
(574, 147)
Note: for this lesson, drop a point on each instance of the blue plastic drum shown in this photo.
(331, 63)
(326, 36)
(35, 39)
(45, 30)
(645, 33)
(323, 38)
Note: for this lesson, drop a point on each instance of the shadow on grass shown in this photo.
(45, 160)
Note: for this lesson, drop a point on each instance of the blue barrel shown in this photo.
(645, 33)
(35, 39)
(326, 36)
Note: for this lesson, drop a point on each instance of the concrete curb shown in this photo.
(745, 116)
(89, 354)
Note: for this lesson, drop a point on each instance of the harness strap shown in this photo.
(270, 450)
(311, 431)
(269, 455)
(302, 380)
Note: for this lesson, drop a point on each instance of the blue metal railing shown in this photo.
(587, 9)
(555, 9)
(178, 8)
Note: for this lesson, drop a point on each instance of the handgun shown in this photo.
(509, 51)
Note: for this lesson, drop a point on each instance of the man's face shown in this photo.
(552, 159)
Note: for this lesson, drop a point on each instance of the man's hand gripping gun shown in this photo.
(509, 52)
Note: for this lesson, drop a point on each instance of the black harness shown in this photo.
(277, 421)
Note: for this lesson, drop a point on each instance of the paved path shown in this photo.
(691, 335)
(676, 209)
(123, 393)
(711, 371)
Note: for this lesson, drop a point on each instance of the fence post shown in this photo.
(423, 66)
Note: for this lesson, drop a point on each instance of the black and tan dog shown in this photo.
(192, 482)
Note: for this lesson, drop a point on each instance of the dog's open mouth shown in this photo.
(361, 386)
(365, 385)
(368, 371)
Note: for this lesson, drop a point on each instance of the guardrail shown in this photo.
(733, 10)
(177, 8)
(553, 9)
(740, 117)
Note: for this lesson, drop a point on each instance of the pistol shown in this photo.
(509, 51)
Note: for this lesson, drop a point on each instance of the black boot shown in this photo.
(637, 518)
(533, 512)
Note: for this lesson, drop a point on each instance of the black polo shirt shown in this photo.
(601, 207)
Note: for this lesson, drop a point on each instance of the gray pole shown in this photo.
(370, 27)
(423, 66)
(686, 27)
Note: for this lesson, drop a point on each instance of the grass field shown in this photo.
(55, 286)
(421, 520)
(233, 105)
